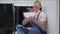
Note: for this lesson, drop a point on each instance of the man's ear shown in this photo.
(41, 8)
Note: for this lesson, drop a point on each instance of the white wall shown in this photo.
(23, 2)
(6, 1)
(51, 9)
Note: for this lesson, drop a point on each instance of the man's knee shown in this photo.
(18, 26)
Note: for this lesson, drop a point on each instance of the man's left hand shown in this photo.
(32, 18)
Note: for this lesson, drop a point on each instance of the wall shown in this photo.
(52, 11)
(6, 1)
(24, 2)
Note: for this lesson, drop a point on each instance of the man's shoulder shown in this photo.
(43, 14)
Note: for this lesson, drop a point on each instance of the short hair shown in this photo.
(38, 2)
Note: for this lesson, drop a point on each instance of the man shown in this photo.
(38, 22)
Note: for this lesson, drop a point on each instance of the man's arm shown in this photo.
(41, 24)
(25, 21)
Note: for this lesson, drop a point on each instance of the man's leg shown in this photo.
(21, 29)
(34, 30)
(42, 31)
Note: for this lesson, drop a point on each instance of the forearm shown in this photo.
(40, 24)
(24, 22)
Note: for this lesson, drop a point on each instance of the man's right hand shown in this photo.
(25, 21)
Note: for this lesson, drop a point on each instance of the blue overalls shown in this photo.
(34, 29)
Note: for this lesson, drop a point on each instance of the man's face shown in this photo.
(36, 5)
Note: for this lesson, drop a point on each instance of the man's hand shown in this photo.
(25, 21)
(31, 18)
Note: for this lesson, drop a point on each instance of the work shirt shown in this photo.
(41, 17)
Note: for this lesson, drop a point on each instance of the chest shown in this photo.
(38, 16)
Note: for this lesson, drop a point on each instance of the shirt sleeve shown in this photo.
(42, 17)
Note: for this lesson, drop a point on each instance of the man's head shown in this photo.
(37, 5)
